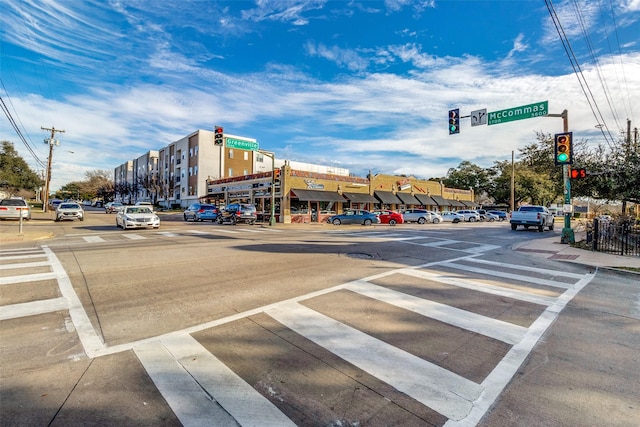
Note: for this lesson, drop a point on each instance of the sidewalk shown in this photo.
(551, 248)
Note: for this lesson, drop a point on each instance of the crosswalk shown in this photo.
(200, 387)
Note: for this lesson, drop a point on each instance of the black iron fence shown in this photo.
(620, 237)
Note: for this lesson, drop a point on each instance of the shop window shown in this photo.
(231, 154)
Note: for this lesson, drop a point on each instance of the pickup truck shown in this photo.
(532, 216)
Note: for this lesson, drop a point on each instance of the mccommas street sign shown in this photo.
(519, 113)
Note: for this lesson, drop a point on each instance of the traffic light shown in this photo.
(276, 175)
(563, 148)
(218, 136)
(454, 121)
(579, 173)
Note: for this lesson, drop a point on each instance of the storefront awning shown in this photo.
(456, 203)
(468, 204)
(317, 195)
(387, 197)
(360, 197)
(408, 199)
(424, 199)
(440, 201)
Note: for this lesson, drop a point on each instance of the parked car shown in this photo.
(112, 207)
(13, 208)
(355, 216)
(454, 217)
(435, 217)
(502, 216)
(137, 217)
(69, 210)
(469, 215)
(235, 213)
(532, 216)
(201, 212)
(389, 217)
(486, 216)
(421, 216)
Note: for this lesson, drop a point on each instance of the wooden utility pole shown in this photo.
(51, 141)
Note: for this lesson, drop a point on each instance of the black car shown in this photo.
(238, 213)
(502, 216)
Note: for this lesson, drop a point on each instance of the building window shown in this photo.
(231, 154)
(190, 171)
(259, 157)
(230, 172)
(246, 156)
(190, 152)
(195, 170)
(246, 172)
(196, 150)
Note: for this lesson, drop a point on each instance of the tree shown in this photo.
(15, 174)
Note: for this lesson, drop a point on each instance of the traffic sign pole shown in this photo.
(568, 235)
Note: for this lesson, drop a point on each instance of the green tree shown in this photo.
(15, 174)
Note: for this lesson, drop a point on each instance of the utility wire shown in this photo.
(7, 113)
(578, 72)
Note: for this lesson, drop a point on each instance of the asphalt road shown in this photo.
(203, 324)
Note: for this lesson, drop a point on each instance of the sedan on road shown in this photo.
(137, 217)
(201, 212)
(354, 217)
(14, 209)
(69, 210)
(453, 217)
(421, 216)
(389, 217)
(112, 207)
(502, 216)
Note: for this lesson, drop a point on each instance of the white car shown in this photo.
(137, 217)
(469, 215)
(453, 217)
(435, 217)
(69, 210)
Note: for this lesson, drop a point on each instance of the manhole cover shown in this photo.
(360, 255)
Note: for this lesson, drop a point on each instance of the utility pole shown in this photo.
(51, 141)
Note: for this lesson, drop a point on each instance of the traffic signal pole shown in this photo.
(568, 235)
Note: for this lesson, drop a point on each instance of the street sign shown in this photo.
(519, 113)
(242, 144)
(479, 117)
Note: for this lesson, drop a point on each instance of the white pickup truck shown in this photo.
(532, 216)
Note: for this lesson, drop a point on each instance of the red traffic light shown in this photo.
(580, 173)
(218, 135)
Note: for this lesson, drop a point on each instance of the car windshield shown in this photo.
(69, 206)
(138, 210)
(13, 202)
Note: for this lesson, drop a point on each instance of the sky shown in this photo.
(361, 85)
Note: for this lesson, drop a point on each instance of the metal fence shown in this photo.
(615, 237)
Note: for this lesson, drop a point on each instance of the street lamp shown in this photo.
(272, 218)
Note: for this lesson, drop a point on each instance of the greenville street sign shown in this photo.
(242, 144)
(518, 113)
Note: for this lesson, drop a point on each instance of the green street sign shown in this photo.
(242, 144)
(519, 113)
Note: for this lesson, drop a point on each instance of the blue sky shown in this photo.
(362, 85)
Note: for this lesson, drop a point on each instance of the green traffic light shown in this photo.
(562, 157)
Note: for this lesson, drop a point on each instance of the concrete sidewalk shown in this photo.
(551, 248)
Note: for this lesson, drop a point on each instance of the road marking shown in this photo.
(187, 399)
(93, 239)
(443, 391)
(487, 326)
(245, 404)
(33, 308)
(23, 278)
(134, 236)
(519, 277)
(526, 268)
(23, 265)
(167, 234)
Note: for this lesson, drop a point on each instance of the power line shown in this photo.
(7, 113)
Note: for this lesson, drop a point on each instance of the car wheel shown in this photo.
(421, 220)
(392, 222)
(513, 227)
(455, 221)
(81, 218)
(367, 222)
(336, 221)
(551, 227)
(492, 219)
(472, 219)
(541, 228)
(57, 219)
(436, 220)
(185, 218)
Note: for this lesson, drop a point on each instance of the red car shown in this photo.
(390, 217)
